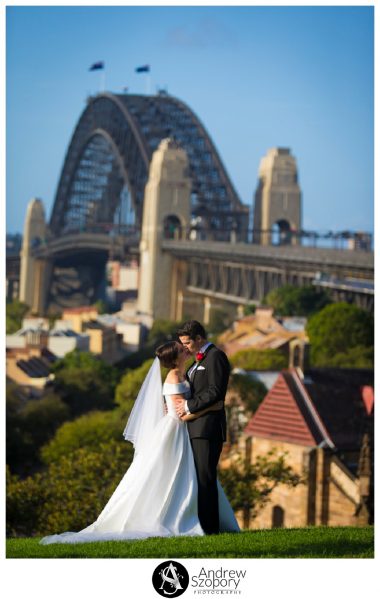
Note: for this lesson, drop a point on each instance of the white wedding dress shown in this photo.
(157, 497)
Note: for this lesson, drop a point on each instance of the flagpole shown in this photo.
(103, 80)
(148, 83)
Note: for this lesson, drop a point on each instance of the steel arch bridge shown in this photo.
(107, 162)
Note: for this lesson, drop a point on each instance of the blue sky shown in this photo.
(257, 77)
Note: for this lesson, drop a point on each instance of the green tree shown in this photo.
(259, 359)
(86, 431)
(220, 320)
(297, 301)
(24, 498)
(15, 312)
(249, 390)
(30, 424)
(355, 357)
(249, 309)
(336, 330)
(130, 384)
(162, 331)
(53, 317)
(69, 494)
(101, 306)
(85, 382)
(249, 486)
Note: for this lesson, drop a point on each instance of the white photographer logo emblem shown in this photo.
(170, 579)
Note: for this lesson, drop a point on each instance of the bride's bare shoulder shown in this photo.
(172, 377)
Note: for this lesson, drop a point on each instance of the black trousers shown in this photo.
(206, 456)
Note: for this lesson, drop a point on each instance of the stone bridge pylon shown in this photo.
(166, 215)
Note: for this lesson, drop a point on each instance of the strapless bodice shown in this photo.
(169, 389)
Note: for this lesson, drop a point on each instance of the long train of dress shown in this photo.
(158, 494)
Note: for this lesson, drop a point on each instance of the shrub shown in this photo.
(130, 384)
(254, 359)
(87, 431)
(297, 301)
(16, 311)
(355, 357)
(30, 424)
(70, 494)
(250, 391)
(249, 486)
(336, 330)
(85, 382)
(162, 331)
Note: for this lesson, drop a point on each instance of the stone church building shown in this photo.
(323, 420)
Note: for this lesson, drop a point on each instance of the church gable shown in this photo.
(281, 417)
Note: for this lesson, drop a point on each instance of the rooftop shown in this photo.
(329, 407)
(80, 310)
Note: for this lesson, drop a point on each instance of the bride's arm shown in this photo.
(214, 408)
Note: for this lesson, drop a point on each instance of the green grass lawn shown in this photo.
(314, 542)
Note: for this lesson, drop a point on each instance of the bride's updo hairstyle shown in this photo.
(168, 354)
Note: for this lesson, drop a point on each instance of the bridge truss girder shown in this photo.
(111, 149)
(249, 283)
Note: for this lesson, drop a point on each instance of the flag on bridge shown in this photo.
(144, 69)
(97, 66)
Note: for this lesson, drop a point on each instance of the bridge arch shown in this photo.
(111, 149)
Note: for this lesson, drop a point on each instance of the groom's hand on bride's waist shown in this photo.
(180, 407)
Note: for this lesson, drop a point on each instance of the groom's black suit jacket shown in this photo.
(208, 386)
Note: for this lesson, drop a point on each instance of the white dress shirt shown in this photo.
(194, 367)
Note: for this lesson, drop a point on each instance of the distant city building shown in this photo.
(13, 244)
(35, 322)
(131, 331)
(13, 248)
(30, 366)
(27, 337)
(123, 277)
(277, 204)
(262, 330)
(104, 341)
(79, 316)
(360, 241)
(60, 340)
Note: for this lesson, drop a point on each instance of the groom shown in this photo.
(208, 378)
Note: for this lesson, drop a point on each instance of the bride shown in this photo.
(158, 494)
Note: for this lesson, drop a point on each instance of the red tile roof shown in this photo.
(332, 407)
(280, 417)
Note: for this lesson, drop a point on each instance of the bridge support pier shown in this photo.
(166, 216)
(43, 269)
(33, 272)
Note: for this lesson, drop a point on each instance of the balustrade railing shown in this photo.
(346, 240)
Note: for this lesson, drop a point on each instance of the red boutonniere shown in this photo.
(200, 355)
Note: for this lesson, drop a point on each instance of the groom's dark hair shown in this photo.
(191, 329)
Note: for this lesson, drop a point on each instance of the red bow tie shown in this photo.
(200, 355)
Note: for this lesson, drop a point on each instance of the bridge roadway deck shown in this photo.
(85, 241)
(294, 257)
(319, 259)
